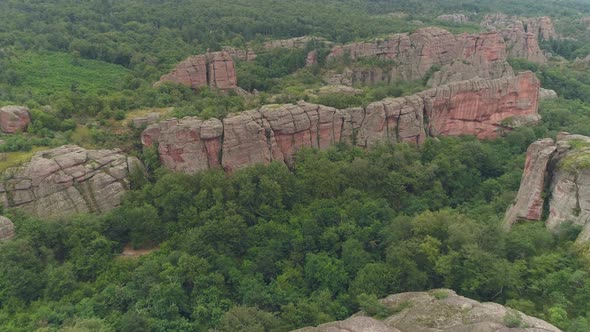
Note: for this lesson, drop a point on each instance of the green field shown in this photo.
(48, 73)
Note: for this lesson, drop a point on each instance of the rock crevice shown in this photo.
(275, 132)
(556, 174)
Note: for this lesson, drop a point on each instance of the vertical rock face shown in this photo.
(275, 132)
(14, 119)
(7, 230)
(528, 204)
(458, 57)
(222, 73)
(567, 165)
(522, 34)
(212, 69)
(479, 107)
(68, 180)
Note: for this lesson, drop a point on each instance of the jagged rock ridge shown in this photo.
(68, 180)
(522, 34)
(215, 70)
(275, 132)
(457, 57)
(439, 310)
(562, 168)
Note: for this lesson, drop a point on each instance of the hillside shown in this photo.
(260, 165)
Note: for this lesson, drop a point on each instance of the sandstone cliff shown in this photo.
(275, 132)
(437, 310)
(563, 168)
(458, 57)
(215, 70)
(522, 34)
(14, 119)
(68, 180)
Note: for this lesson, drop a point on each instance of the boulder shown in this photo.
(68, 180)
(275, 132)
(413, 56)
(7, 230)
(547, 94)
(563, 168)
(14, 119)
(440, 310)
(215, 70)
(144, 121)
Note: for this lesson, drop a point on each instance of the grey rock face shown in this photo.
(7, 230)
(68, 180)
(445, 312)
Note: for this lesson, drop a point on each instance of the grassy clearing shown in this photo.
(11, 159)
(48, 73)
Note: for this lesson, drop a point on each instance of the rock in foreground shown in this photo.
(438, 311)
(68, 180)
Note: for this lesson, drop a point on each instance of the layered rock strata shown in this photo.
(522, 35)
(68, 180)
(412, 56)
(439, 310)
(14, 119)
(562, 168)
(215, 70)
(275, 132)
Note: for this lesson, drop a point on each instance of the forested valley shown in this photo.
(273, 247)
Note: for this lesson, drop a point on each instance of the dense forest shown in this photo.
(271, 248)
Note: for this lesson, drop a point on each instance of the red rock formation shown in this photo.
(276, 132)
(479, 107)
(14, 119)
(461, 57)
(522, 34)
(212, 69)
(564, 166)
(191, 72)
(528, 204)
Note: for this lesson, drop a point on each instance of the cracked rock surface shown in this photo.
(439, 310)
(275, 132)
(562, 169)
(68, 180)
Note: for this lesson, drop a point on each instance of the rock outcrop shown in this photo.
(547, 94)
(14, 119)
(215, 70)
(455, 18)
(7, 230)
(530, 199)
(68, 180)
(144, 121)
(275, 132)
(563, 169)
(439, 310)
(412, 56)
(522, 34)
